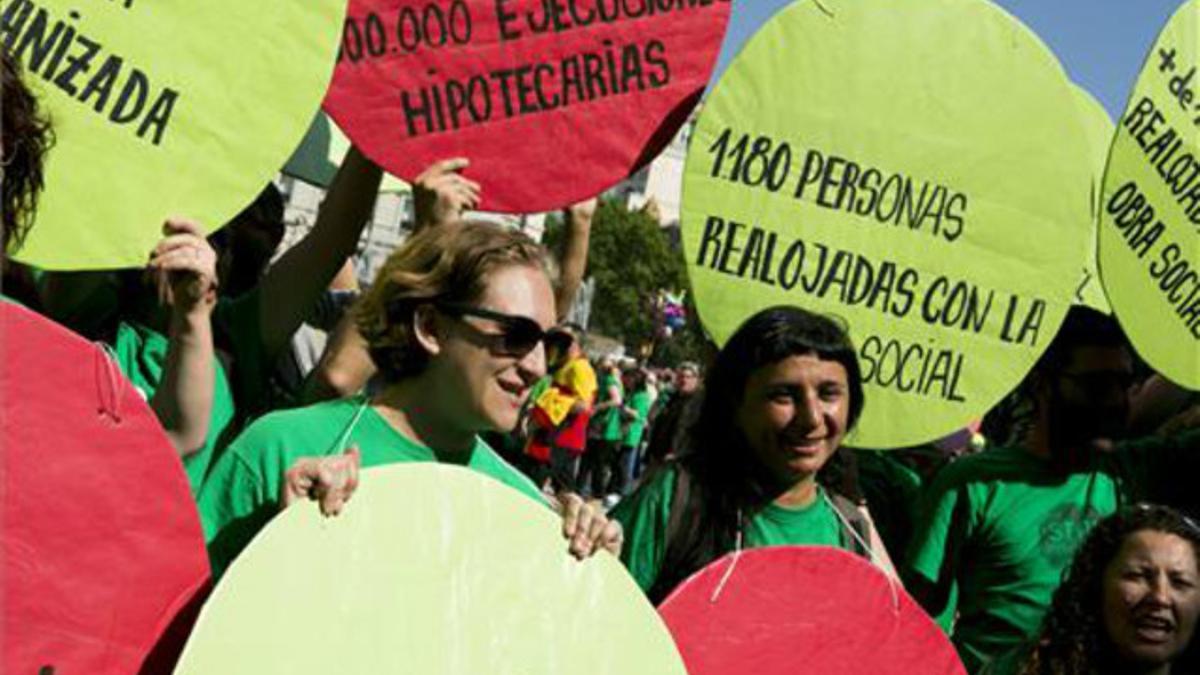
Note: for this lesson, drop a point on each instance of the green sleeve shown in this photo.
(235, 503)
(141, 353)
(643, 517)
(932, 562)
(1152, 468)
(488, 462)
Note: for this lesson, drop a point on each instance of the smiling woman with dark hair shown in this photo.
(455, 322)
(1127, 605)
(780, 397)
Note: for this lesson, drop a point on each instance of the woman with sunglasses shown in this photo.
(455, 322)
(1128, 603)
(755, 470)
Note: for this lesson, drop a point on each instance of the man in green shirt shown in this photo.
(455, 322)
(637, 415)
(602, 450)
(996, 530)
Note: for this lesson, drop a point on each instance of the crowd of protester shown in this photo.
(1055, 538)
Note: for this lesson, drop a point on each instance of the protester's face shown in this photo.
(687, 381)
(486, 382)
(1150, 598)
(1090, 401)
(793, 415)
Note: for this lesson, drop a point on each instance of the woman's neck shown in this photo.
(799, 495)
(406, 405)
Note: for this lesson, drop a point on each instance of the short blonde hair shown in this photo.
(447, 263)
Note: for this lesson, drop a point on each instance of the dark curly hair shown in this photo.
(25, 136)
(1073, 640)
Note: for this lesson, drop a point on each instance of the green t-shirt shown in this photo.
(242, 491)
(644, 515)
(640, 402)
(1008, 663)
(892, 489)
(996, 531)
(610, 418)
(141, 353)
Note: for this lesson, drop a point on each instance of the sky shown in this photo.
(1101, 43)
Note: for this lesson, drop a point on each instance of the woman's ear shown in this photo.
(427, 329)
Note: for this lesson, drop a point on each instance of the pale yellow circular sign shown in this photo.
(431, 569)
(163, 109)
(1099, 129)
(1150, 214)
(917, 168)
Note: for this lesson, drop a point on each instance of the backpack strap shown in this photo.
(679, 498)
(850, 514)
(680, 493)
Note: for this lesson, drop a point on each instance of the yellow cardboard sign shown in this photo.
(161, 109)
(1150, 216)
(1099, 129)
(916, 168)
(431, 569)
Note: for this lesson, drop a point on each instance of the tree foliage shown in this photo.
(631, 258)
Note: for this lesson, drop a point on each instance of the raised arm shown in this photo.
(187, 275)
(345, 366)
(293, 284)
(573, 263)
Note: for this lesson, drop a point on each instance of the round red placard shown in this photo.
(103, 553)
(553, 101)
(797, 610)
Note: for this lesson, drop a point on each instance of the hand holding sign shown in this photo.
(441, 193)
(187, 267)
(552, 101)
(330, 481)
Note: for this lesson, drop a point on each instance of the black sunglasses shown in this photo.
(518, 334)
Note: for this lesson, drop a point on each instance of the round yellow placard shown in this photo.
(431, 569)
(1150, 214)
(918, 169)
(162, 109)
(1099, 129)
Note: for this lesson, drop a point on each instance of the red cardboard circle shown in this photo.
(102, 548)
(801, 609)
(547, 118)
